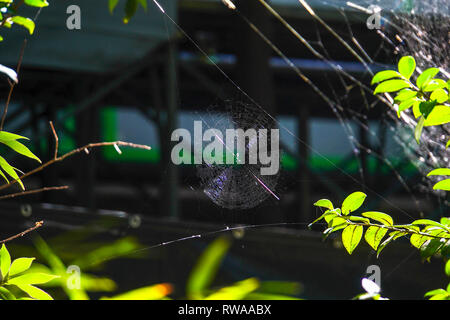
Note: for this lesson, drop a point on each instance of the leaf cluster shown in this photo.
(378, 228)
(9, 16)
(16, 277)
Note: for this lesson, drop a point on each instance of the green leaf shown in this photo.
(37, 3)
(24, 22)
(418, 240)
(447, 144)
(353, 202)
(439, 172)
(358, 219)
(440, 95)
(445, 221)
(435, 84)
(20, 265)
(130, 9)
(206, 267)
(35, 292)
(20, 148)
(391, 86)
(5, 294)
(374, 235)
(426, 76)
(435, 292)
(351, 236)
(8, 136)
(112, 4)
(32, 278)
(442, 185)
(324, 203)
(430, 247)
(427, 222)
(405, 94)
(406, 66)
(11, 171)
(418, 129)
(325, 214)
(380, 217)
(237, 291)
(5, 262)
(406, 105)
(439, 115)
(385, 75)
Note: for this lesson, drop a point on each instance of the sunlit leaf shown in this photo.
(405, 94)
(440, 95)
(374, 235)
(20, 148)
(32, 278)
(426, 76)
(24, 22)
(442, 185)
(351, 236)
(37, 3)
(418, 129)
(325, 203)
(435, 84)
(5, 261)
(35, 292)
(427, 222)
(20, 265)
(353, 202)
(406, 66)
(385, 75)
(10, 171)
(391, 86)
(439, 172)
(379, 216)
(5, 294)
(439, 115)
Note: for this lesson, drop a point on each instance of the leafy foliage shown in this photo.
(428, 96)
(17, 279)
(429, 236)
(9, 16)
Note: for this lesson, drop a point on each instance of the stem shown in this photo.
(36, 226)
(75, 151)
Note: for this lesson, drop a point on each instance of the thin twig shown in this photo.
(36, 226)
(24, 193)
(56, 139)
(75, 151)
(12, 85)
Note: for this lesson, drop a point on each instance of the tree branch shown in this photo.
(36, 226)
(73, 152)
